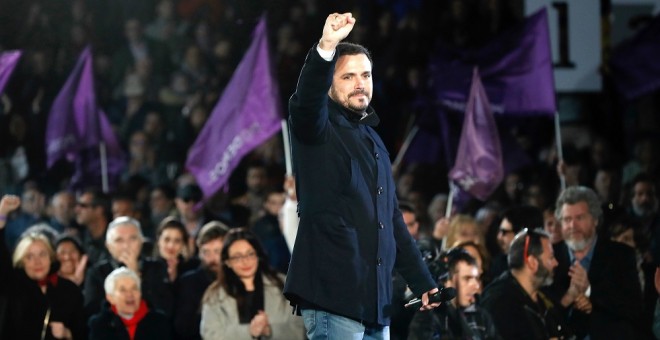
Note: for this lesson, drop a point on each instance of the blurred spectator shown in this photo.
(463, 228)
(93, 214)
(193, 284)
(33, 288)
(72, 259)
(192, 217)
(124, 241)
(33, 209)
(256, 182)
(269, 232)
(126, 315)
(63, 213)
(172, 248)
(161, 203)
(246, 300)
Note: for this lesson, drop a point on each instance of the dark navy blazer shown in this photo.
(351, 234)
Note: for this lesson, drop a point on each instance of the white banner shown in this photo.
(575, 36)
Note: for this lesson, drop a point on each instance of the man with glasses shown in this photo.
(513, 221)
(596, 280)
(514, 300)
(93, 214)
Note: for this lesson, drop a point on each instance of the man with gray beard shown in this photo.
(596, 281)
(514, 300)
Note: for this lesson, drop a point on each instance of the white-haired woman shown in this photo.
(41, 304)
(126, 315)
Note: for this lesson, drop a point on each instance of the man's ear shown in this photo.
(533, 263)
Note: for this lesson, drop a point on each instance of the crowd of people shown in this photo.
(533, 261)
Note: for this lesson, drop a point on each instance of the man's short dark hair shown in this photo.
(211, 231)
(405, 206)
(524, 216)
(346, 48)
(516, 257)
(455, 256)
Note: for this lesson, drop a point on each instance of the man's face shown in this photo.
(122, 208)
(274, 203)
(124, 241)
(547, 263)
(351, 83)
(159, 203)
(411, 222)
(85, 211)
(64, 205)
(644, 202)
(466, 282)
(209, 254)
(186, 207)
(505, 235)
(256, 179)
(578, 227)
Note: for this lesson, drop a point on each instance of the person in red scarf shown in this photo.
(126, 315)
(40, 304)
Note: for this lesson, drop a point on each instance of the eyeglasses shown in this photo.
(251, 256)
(505, 231)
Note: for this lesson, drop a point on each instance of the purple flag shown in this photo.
(8, 61)
(516, 69)
(247, 114)
(635, 64)
(76, 125)
(478, 168)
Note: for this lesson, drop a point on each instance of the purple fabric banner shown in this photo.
(8, 61)
(247, 114)
(478, 167)
(636, 62)
(515, 67)
(76, 125)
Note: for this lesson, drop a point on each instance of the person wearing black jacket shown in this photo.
(40, 304)
(124, 241)
(351, 234)
(518, 307)
(460, 318)
(125, 315)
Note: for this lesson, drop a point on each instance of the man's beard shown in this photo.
(578, 245)
(543, 276)
(347, 104)
(644, 210)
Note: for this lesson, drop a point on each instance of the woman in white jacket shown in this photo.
(246, 301)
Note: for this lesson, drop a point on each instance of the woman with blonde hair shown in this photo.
(246, 301)
(463, 228)
(41, 304)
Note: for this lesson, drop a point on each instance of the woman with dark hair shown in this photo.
(246, 301)
(71, 256)
(172, 247)
(41, 304)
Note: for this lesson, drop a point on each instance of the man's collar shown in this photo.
(371, 118)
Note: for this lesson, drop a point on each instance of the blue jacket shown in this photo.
(351, 234)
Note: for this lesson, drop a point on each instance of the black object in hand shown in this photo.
(443, 295)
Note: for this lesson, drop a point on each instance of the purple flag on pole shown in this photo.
(247, 114)
(76, 125)
(516, 69)
(478, 168)
(635, 62)
(8, 61)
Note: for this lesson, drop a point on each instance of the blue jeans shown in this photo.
(321, 325)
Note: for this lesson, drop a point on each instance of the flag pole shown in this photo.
(450, 199)
(404, 147)
(104, 166)
(287, 148)
(560, 153)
